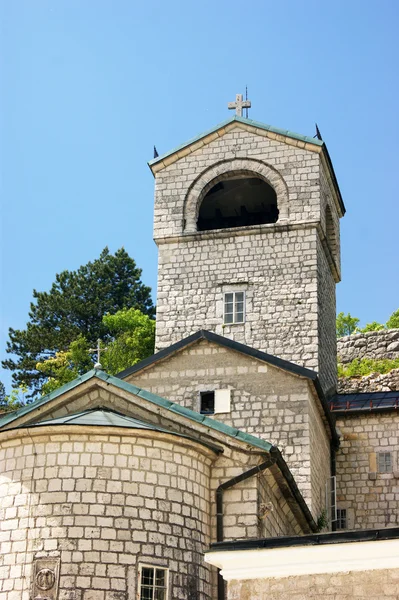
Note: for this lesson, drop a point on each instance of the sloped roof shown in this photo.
(203, 334)
(235, 119)
(365, 402)
(157, 400)
(97, 417)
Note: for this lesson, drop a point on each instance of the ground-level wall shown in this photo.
(102, 503)
(362, 585)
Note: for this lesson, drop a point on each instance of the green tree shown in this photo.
(393, 321)
(131, 337)
(65, 366)
(74, 306)
(14, 400)
(346, 324)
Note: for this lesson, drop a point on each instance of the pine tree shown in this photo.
(75, 306)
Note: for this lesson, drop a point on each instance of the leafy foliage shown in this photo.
(131, 337)
(364, 366)
(66, 366)
(374, 326)
(16, 399)
(393, 321)
(74, 306)
(134, 339)
(346, 324)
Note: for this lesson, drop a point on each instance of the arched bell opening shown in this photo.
(238, 200)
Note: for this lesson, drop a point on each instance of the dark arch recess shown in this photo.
(238, 200)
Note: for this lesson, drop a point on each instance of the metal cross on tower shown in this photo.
(239, 104)
(98, 350)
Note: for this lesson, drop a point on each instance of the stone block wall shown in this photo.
(371, 499)
(276, 265)
(102, 504)
(374, 344)
(265, 401)
(362, 585)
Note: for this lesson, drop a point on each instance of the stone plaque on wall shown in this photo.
(46, 573)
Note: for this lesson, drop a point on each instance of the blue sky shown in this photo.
(89, 86)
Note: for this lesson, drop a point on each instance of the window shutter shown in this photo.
(222, 401)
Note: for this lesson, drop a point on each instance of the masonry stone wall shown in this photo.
(371, 499)
(265, 401)
(375, 382)
(374, 344)
(362, 585)
(103, 503)
(327, 367)
(276, 265)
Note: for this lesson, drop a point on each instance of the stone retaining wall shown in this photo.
(374, 344)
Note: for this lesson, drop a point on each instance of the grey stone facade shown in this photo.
(371, 499)
(288, 269)
(265, 401)
(374, 344)
(102, 500)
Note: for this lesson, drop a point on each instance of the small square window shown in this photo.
(153, 583)
(234, 309)
(341, 518)
(384, 462)
(207, 403)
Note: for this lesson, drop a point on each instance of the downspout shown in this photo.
(219, 508)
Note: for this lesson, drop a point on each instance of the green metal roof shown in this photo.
(153, 398)
(257, 124)
(105, 417)
(99, 416)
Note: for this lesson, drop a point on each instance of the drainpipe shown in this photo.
(219, 508)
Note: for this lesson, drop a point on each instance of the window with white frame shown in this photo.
(153, 583)
(234, 308)
(384, 462)
(341, 518)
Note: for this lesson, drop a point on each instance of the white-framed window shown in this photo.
(341, 518)
(234, 308)
(153, 583)
(384, 462)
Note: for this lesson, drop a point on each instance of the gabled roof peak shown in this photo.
(243, 121)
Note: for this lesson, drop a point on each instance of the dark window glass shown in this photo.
(207, 403)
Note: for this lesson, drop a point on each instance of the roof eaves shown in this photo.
(223, 341)
(256, 124)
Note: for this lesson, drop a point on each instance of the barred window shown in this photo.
(234, 308)
(341, 518)
(153, 583)
(384, 462)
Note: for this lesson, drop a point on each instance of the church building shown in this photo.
(226, 465)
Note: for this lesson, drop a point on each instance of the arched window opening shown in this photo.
(238, 201)
(330, 232)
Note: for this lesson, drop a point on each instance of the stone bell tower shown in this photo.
(246, 221)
